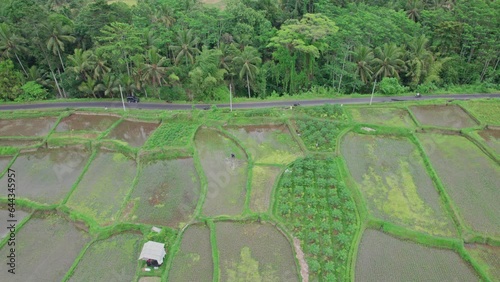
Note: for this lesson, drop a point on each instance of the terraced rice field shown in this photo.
(134, 133)
(488, 258)
(255, 252)
(268, 144)
(45, 250)
(226, 176)
(486, 111)
(27, 126)
(492, 138)
(48, 175)
(103, 188)
(4, 217)
(166, 194)
(382, 116)
(193, 262)
(385, 258)
(391, 175)
(112, 259)
(470, 178)
(263, 179)
(450, 116)
(86, 122)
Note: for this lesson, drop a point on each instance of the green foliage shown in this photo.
(33, 91)
(174, 134)
(10, 81)
(317, 207)
(391, 86)
(327, 111)
(319, 135)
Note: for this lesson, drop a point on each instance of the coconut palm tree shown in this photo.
(419, 59)
(248, 62)
(154, 69)
(89, 87)
(81, 62)
(58, 35)
(11, 44)
(388, 61)
(413, 8)
(185, 46)
(109, 85)
(363, 57)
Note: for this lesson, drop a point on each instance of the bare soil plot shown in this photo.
(385, 258)
(104, 186)
(135, 133)
(451, 116)
(19, 215)
(492, 138)
(166, 194)
(470, 177)
(488, 257)
(84, 122)
(27, 126)
(391, 175)
(45, 249)
(226, 176)
(263, 179)
(194, 260)
(257, 252)
(382, 116)
(113, 259)
(268, 144)
(46, 176)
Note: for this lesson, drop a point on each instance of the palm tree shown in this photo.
(154, 69)
(363, 57)
(186, 46)
(109, 85)
(58, 35)
(100, 67)
(387, 61)
(164, 15)
(82, 62)
(89, 87)
(248, 62)
(419, 59)
(413, 8)
(11, 44)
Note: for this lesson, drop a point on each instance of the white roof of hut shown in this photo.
(153, 250)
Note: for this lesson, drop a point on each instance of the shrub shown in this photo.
(391, 86)
(32, 91)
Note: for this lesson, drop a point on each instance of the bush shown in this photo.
(32, 91)
(391, 86)
(427, 87)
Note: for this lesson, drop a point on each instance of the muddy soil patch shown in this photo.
(135, 133)
(451, 116)
(492, 138)
(27, 126)
(86, 122)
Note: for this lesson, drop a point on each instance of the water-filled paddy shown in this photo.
(27, 126)
(385, 258)
(86, 122)
(46, 176)
(255, 251)
(18, 142)
(4, 162)
(492, 138)
(113, 259)
(470, 178)
(45, 249)
(193, 262)
(166, 194)
(226, 176)
(488, 257)
(135, 133)
(19, 215)
(104, 186)
(443, 116)
(269, 144)
(391, 175)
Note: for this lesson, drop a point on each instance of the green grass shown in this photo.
(486, 111)
(171, 134)
(382, 116)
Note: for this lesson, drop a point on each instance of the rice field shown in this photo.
(226, 176)
(134, 133)
(263, 179)
(48, 174)
(193, 262)
(492, 138)
(103, 188)
(470, 177)
(488, 258)
(382, 116)
(86, 122)
(391, 175)
(166, 193)
(27, 126)
(45, 249)
(449, 116)
(112, 259)
(486, 111)
(385, 258)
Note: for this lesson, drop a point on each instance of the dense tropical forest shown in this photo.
(190, 50)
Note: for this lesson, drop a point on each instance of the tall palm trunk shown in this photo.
(60, 58)
(22, 66)
(248, 86)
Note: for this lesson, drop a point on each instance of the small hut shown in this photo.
(153, 253)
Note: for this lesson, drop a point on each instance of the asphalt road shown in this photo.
(248, 105)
